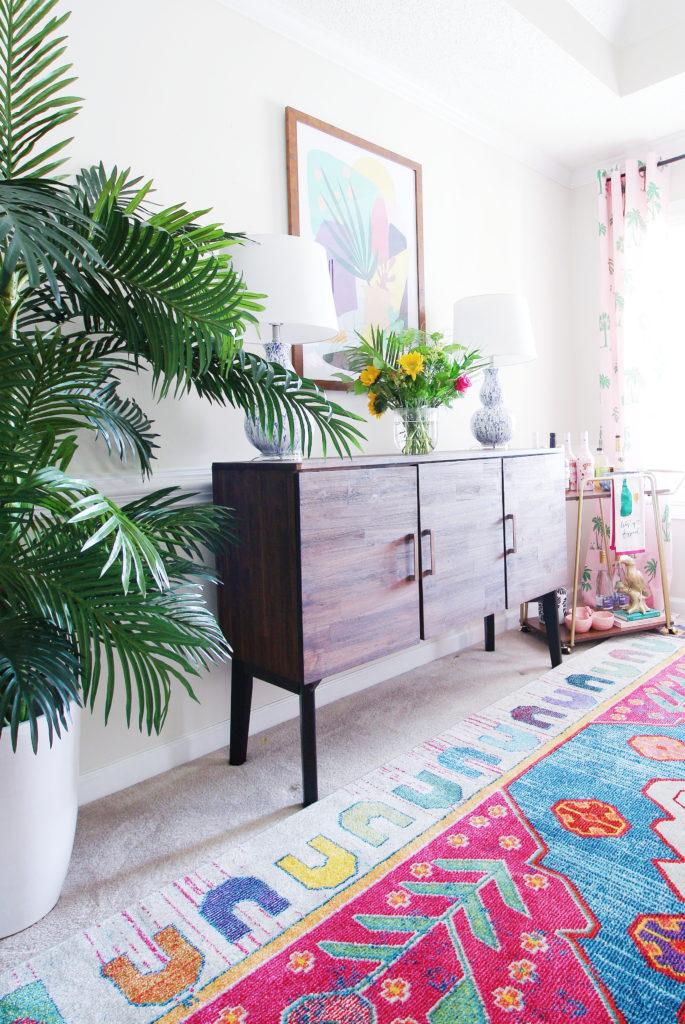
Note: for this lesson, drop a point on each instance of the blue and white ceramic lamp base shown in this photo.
(278, 444)
(492, 425)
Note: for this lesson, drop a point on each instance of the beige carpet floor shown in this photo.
(131, 843)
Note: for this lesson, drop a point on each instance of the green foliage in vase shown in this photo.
(408, 369)
(96, 283)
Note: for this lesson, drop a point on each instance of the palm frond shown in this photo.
(95, 188)
(145, 532)
(52, 385)
(162, 285)
(157, 638)
(48, 488)
(39, 675)
(276, 396)
(130, 545)
(179, 527)
(43, 234)
(139, 535)
(95, 280)
(32, 87)
(173, 300)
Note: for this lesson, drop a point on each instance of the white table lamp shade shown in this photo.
(498, 325)
(293, 274)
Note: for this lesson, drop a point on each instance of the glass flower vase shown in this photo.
(416, 430)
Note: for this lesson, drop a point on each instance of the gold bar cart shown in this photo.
(665, 621)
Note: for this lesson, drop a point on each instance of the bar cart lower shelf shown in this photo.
(535, 626)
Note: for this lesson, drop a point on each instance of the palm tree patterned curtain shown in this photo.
(632, 232)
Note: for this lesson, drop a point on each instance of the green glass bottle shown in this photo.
(626, 499)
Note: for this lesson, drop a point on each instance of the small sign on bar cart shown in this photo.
(628, 520)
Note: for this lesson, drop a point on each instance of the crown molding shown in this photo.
(302, 31)
(666, 147)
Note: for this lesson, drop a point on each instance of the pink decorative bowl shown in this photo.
(602, 619)
(583, 619)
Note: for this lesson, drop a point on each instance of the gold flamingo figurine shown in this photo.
(633, 584)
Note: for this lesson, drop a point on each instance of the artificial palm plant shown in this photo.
(95, 283)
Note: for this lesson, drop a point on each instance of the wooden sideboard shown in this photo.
(341, 561)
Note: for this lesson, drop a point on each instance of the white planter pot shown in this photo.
(38, 808)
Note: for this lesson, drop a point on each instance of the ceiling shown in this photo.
(624, 22)
(563, 84)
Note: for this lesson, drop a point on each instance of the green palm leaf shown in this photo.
(161, 284)
(96, 281)
(39, 674)
(47, 488)
(130, 545)
(52, 385)
(273, 395)
(43, 236)
(95, 188)
(157, 637)
(179, 528)
(32, 84)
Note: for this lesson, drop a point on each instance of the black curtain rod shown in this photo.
(671, 160)
(659, 163)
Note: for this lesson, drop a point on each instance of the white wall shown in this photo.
(193, 95)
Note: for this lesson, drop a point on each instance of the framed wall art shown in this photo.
(363, 204)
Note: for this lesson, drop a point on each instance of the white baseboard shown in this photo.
(131, 770)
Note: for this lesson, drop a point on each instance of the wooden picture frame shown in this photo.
(363, 203)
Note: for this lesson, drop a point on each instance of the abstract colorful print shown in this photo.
(527, 866)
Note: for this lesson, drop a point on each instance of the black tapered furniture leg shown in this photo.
(489, 624)
(310, 785)
(551, 613)
(241, 700)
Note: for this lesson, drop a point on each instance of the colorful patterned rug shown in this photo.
(526, 866)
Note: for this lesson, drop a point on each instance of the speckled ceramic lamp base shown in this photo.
(277, 444)
(492, 425)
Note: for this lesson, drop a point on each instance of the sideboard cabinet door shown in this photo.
(462, 567)
(534, 526)
(259, 599)
(359, 566)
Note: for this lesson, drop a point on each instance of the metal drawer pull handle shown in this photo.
(511, 550)
(430, 534)
(412, 537)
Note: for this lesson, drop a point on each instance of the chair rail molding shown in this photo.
(122, 487)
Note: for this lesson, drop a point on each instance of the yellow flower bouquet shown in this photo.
(410, 372)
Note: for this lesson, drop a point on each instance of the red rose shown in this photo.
(462, 383)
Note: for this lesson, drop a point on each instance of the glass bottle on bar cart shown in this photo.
(604, 587)
(601, 466)
(570, 465)
(619, 463)
(586, 464)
